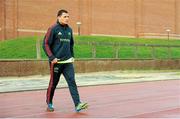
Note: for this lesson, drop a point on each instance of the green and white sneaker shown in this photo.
(81, 106)
(50, 107)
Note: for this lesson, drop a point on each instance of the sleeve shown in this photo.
(72, 44)
(48, 40)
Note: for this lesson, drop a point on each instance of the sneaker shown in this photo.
(81, 106)
(50, 107)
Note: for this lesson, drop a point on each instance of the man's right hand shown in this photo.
(54, 61)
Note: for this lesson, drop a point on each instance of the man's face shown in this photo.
(64, 18)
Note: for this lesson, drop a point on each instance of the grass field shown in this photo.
(25, 48)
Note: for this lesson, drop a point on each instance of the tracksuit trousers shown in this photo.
(68, 71)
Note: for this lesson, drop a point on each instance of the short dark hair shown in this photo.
(60, 12)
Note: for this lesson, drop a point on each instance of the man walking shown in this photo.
(58, 46)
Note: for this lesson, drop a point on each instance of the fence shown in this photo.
(120, 49)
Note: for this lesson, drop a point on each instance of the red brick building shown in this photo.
(131, 18)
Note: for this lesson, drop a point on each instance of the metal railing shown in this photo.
(117, 49)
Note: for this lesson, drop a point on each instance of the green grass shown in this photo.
(18, 48)
(127, 40)
(25, 48)
(82, 51)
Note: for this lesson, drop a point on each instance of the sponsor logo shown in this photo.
(65, 40)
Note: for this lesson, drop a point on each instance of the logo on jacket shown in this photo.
(69, 33)
(59, 33)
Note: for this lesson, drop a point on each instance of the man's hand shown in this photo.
(54, 61)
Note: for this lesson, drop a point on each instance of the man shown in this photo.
(58, 46)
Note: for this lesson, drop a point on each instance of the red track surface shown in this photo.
(150, 99)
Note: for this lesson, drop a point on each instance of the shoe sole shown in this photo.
(50, 110)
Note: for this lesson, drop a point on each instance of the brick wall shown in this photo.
(37, 67)
(2, 19)
(109, 17)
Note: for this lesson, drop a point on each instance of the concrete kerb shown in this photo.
(40, 82)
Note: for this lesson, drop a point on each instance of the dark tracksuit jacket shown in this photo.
(58, 43)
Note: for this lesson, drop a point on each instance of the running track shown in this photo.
(135, 100)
